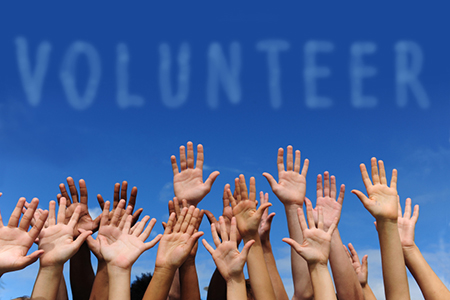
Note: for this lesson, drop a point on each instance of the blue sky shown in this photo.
(108, 91)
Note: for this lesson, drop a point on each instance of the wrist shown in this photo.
(409, 250)
(317, 267)
(235, 279)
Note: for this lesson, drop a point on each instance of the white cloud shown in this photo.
(166, 193)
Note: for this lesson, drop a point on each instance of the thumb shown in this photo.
(29, 259)
(262, 208)
(212, 177)
(270, 179)
(210, 216)
(362, 197)
(246, 248)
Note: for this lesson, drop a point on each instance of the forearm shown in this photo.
(345, 278)
(236, 289)
(159, 286)
(429, 283)
(119, 279)
(368, 293)
(100, 288)
(62, 290)
(300, 274)
(189, 281)
(47, 283)
(393, 264)
(321, 282)
(174, 292)
(217, 289)
(257, 270)
(277, 283)
(81, 273)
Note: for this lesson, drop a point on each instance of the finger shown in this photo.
(365, 201)
(193, 239)
(105, 214)
(333, 226)
(100, 201)
(333, 187)
(182, 158)
(233, 201)
(237, 190)
(301, 219)
(243, 187)
(269, 219)
(374, 167)
(305, 167)
(72, 189)
(297, 161)
(233, 230)
(296, 246)
(289, 159)
(319, 188)
(83, 191)
(383, 179)
(64, 193)
(407, 214)
(133, 196)
(170, 224)
(52, 213)
(225, 198)
(117, 213)
(73, 220)
(180, 220)
(28, 215)
(38, 225)
(272, 182)
(116, 194)
(190, 155)
(320, 213)
(340, 199)
(246, 248)
(326, 181)
(215, 235)
(200, 157)
(394, 179)
(364, 265)
(153, 242)
(223, 230)
(354, 253)
(124, 218)
(211, 178)
(348, 253)
(176, 206)
(261, 210)
(123, 192)
(365, 176)
(81, 238)
(199, 219)
(309, 214)
(252, 193)
(173, 161)
(146, 233)
(192, 221)
(280, 162)
(15, 216)
(62, 211)
(29, 259)
(208, 247)
(262, 200)
(415, 213)
(210, 216)
(171, 206)
(136, 215)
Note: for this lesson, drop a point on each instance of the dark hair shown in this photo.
(139, 286)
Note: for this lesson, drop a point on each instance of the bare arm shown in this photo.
(248, 219)
(315, 249)
(264, 234)
(429, 283)
(290, 190)
(382, 203)
(361, 270)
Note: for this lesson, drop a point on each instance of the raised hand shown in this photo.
(291, 185)
(229, 261)
(247, 216)
(227, 212)
(118, 245)
(361, 270)
(188, 181)
(178, 239)
(326, 198)
(382, 202)
(16, 240)
(266, 219)
(57, 240)
(315, 248)
(78, 200)
(407, 224)
(120, 193)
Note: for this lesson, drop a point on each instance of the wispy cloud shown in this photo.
(166, 192)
